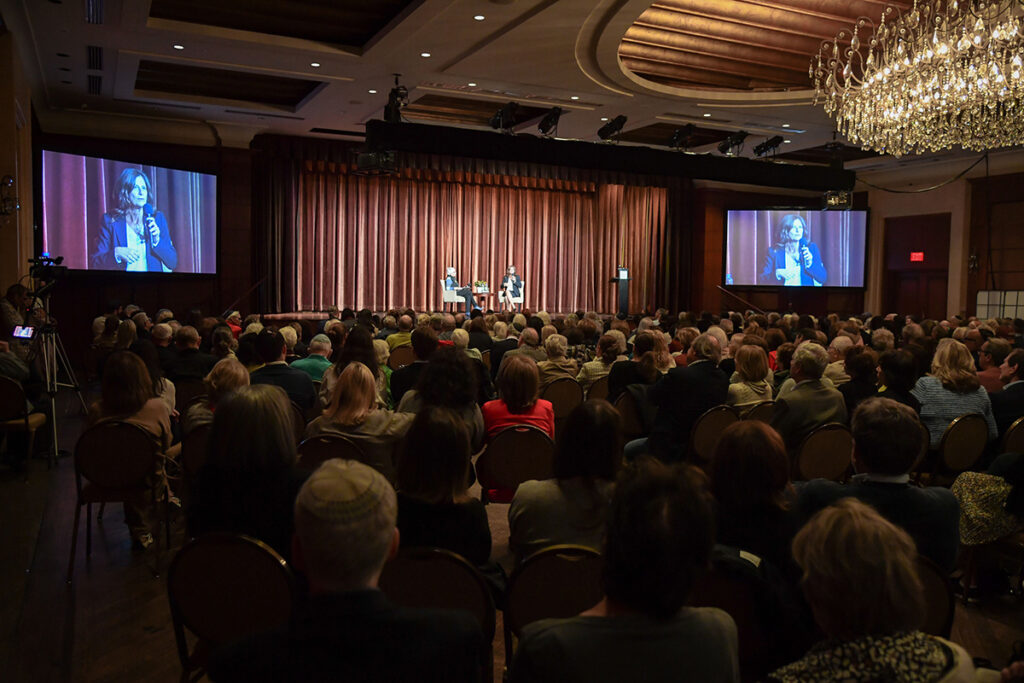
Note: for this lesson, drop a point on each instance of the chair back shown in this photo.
(762, 412)
(12, 400)
(298, 422)
(962, 443)
(599, 389)
(193, 450)
(316, 450)
(825, 453)
(1013, 440)
(565, 394)
(560, 581)
(223, 587)
(401, 356)
(939, 601)
(432, 577)
(448, 296)
(485, 358)
(707, 430)
(115, 455)
(186, 389)
(632, 426)
(515, 455)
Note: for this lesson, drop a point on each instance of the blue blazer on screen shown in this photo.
(114, 233)
(776, 258)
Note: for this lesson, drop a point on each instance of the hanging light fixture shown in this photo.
(943, 74)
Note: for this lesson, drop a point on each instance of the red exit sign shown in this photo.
(916, 256)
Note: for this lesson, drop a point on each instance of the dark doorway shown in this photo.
(917, 265)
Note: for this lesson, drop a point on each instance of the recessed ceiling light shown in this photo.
(785, 125)
(315, 65)
(787, 141)
(471, 85)
(372, 92)
(604, 118)
(707, 116)
(424, 54)
(479, 17)
(178, 47)
(574, 97)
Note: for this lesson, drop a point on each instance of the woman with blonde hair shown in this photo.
(353, 413)
(227, 375)
(608, 350)
(557, 366)
(662, 357)
(950, 390)
(861, 580)
(753, 387)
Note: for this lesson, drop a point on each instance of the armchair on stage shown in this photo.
(449, 296)
(518, 300)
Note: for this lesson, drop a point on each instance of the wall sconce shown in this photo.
(972, 263)
(8, 197)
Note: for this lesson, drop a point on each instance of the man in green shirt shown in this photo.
(316, 362)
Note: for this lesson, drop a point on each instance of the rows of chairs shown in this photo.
(223, 587)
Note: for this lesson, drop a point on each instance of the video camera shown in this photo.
(47, 269)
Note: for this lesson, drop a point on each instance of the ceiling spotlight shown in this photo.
(681, 137)
(768, 146)
(786, 142)
(479, 17)
(731, 144)
(372, 92)
(604, 118)
(707, 116)
(471, 85)
(612, 128)
(505, 117)
(548, 125)
(785, 125)
(424, 54)
(574, 97)
(315, 65)
(178, 47)
(398, 98)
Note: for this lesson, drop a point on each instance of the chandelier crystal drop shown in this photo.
(943, 74)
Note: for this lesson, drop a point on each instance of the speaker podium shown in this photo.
(622, 278)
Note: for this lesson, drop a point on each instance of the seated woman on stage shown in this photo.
(511, 287)
(451, 281)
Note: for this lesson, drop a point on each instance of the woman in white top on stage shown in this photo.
(511, 286)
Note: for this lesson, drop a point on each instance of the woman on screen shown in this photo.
(134, 235)
(511, 287)
(793, 260)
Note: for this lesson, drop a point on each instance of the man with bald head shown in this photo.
(836, 368)
(529, 345)
(348, 630)
(404, 335)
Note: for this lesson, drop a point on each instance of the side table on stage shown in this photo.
(481, 298)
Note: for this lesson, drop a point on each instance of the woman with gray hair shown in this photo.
(557, 365)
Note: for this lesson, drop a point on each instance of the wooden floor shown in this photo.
(113, 622)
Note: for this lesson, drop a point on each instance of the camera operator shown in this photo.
(15, 310)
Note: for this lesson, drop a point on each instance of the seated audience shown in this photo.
(886, 445)
(424, 343)
(951, 389)
(317, 361)
(756, 501)
(358, 348)
(783, 358)
(127, 395)
(353, 413)
(811, 403)
(249, 480)
(992, 354)
(836, 368)
(449, 381)
(529, 345)
(659, 540)
(862, 368)
(479, 338)
(643, 369)
(222, 343)
(753, 386)
(162, 387)
(161, 338)
(403, 337)
(517, 402)
(191, 363)
(348, 630)
(557, 366)
(227, 375)
(897, 375)
(860, 578)
(607, 354)
(271, 349)
(1008, 404)
(572, 507)
(434, 508)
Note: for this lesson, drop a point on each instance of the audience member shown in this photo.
(317, 361)
(1008, 404)
(424, 343)
(897, 374)
(862, 367)
(753, 386)
(191, 363)
(608, 351)
(222, 343)
(659, 540)
(348, 630)
(557, 366)
(887, 442)
(643, 369)
(404, 335)
(992, 354)
(572, 507)
(811, 403)
(248, 483)
(517, 402)
(271, 349)
(226, 376)
(951, 389)
(449, 380)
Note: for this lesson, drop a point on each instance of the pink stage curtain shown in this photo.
(381, 242)
(77, 192)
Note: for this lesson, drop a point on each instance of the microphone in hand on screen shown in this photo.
(151, 226)
(808, 257)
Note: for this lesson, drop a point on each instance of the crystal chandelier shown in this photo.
(941, 74)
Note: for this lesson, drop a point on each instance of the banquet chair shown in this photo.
(317, 450)
(824, 453)
(599, 389)
(224, 587)
(15, 415)
(516, 454)
(707, 431)
(401, 356)
(762, 412)
(939, 601)
(564, 394)
(449, 296)
(1013, 440)
(632, 426)
(962, 445)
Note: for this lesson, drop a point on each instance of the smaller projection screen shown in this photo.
(795, 248)
(102, 214)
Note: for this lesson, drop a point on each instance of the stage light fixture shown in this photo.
(682, 137)
(505, 117)
(548, 125)
(733, 142)
(612, 128)
(398, 98)
(768, 146)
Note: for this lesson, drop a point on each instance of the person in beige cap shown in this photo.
(348, 630)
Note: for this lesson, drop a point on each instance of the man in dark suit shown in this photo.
(810, 403)
(682, 396)
(191, 363)
(498, 351)
(270, 347)
(424, 343)
(1008, 404)
(348, 630)
(887, 440)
